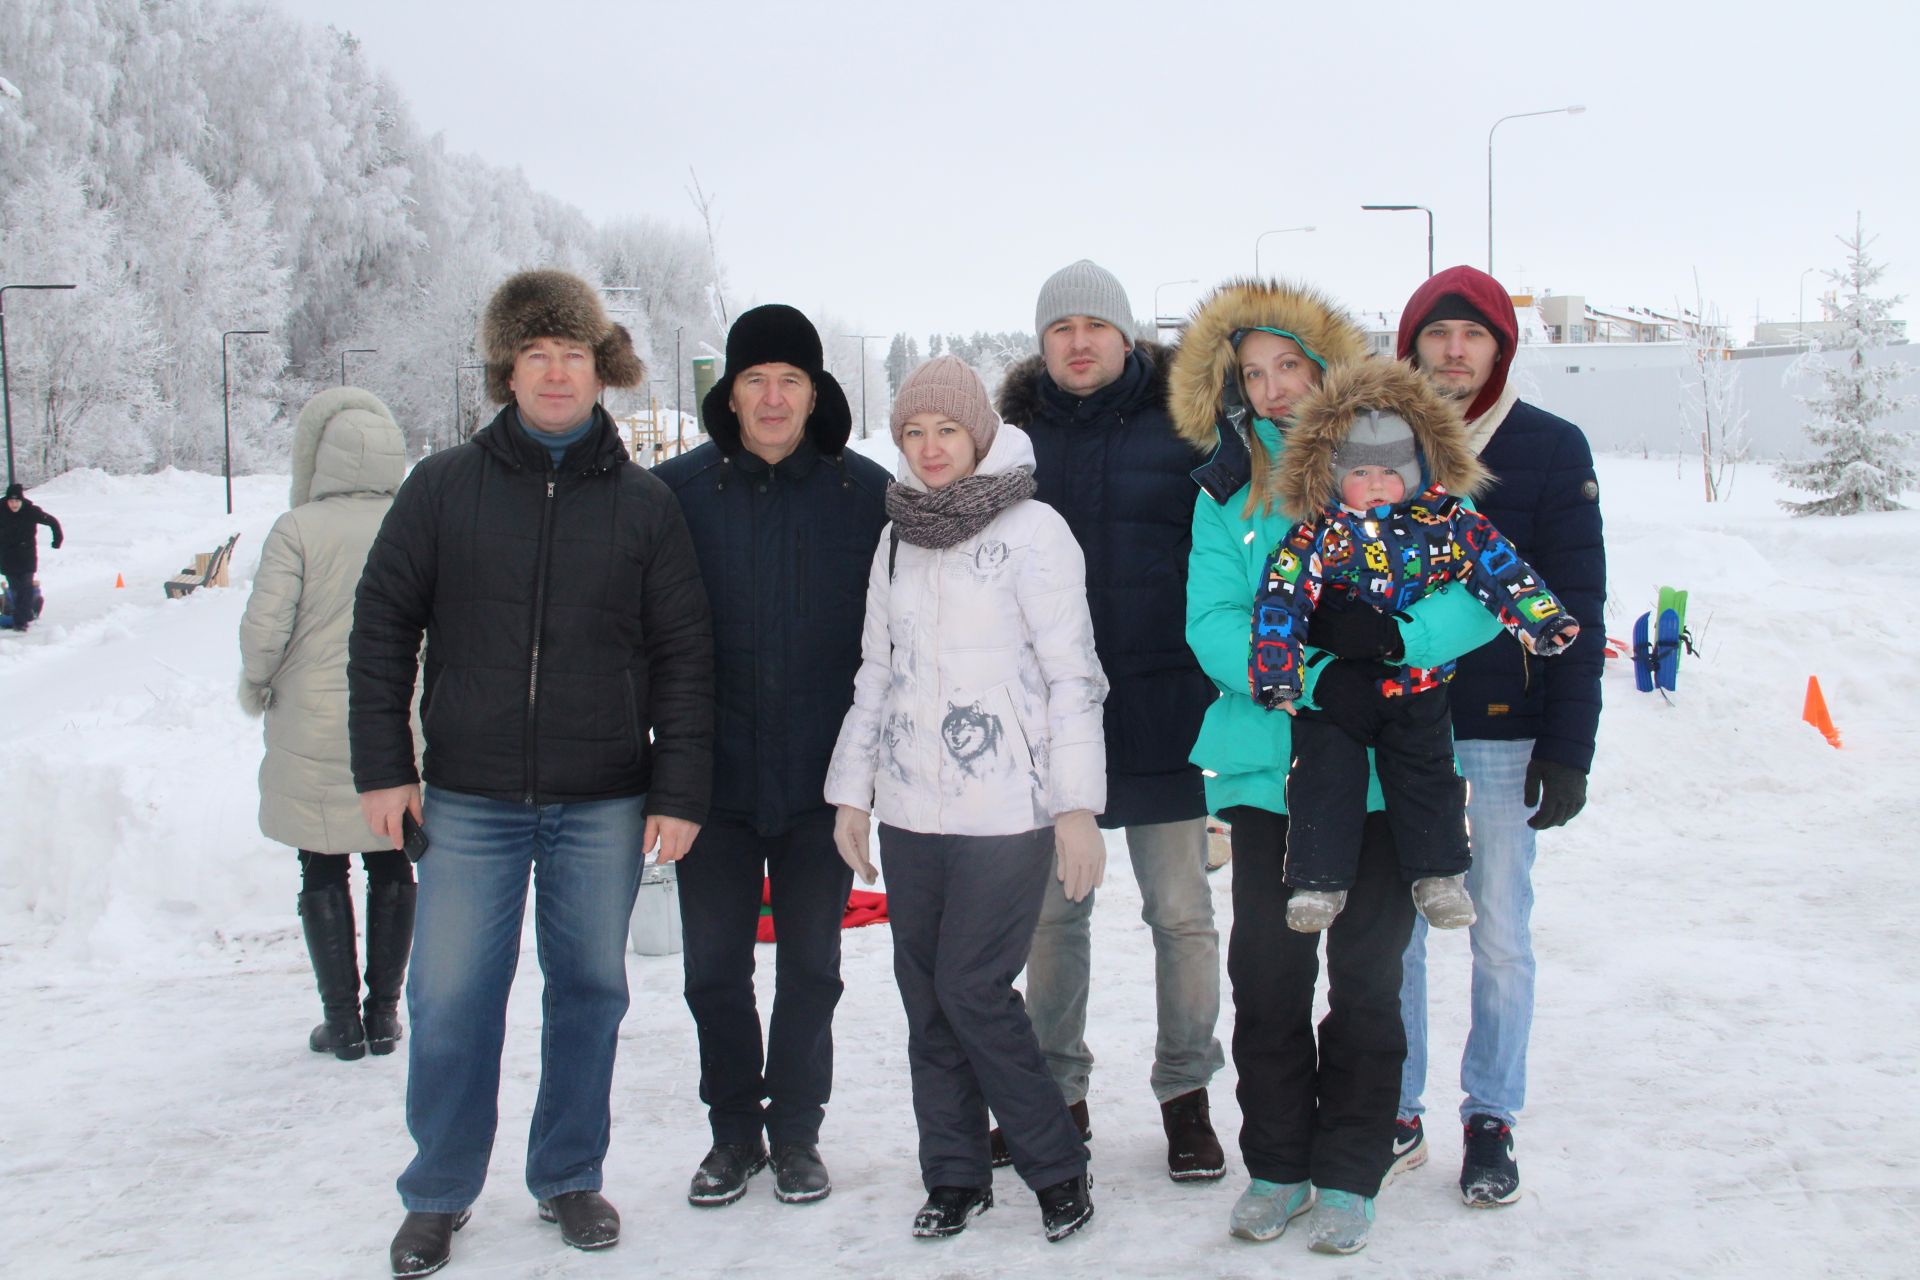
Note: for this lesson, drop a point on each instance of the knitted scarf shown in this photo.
(947, 517)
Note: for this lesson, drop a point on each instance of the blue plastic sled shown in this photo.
(1643, 660)
(1656, 660)
(6, 605)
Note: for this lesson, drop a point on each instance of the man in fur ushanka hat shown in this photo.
(1375, 470)
(568, 714)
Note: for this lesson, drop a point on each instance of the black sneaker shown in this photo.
(1488, 1175)
(997, 1141)
(722, 1175)
(424, 1243)
(1193, 1150)
(1065, 1207)
(799, 1177)
(1409, 1148)
(586, 1220)
(948, 1210)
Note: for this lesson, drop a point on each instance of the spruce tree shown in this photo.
(1863, 466)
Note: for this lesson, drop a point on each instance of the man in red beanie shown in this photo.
(1523, 729)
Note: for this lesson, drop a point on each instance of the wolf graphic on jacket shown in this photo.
(1387, 557)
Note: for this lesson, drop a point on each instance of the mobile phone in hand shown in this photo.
(413, 840)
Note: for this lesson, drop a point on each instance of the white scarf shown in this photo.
(1481, 429)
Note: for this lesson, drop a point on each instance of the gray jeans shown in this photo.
(1170, 865)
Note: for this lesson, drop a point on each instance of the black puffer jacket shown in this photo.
(785, 551)
(19, 538)
(564, 618)
(1112, 465)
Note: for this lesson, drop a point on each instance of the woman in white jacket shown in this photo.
(348, 459)
(975, 735)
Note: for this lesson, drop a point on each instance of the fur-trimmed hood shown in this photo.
(1024, 387)
(553, 304)
(1321, 421)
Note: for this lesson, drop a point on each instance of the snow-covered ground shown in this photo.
(1726, 1044)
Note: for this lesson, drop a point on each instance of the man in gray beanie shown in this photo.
(1094, 403)
(568, 714)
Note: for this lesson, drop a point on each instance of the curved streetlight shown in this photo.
(1262, 236)
(1407, 208)
(1157, 323)
(1518, 115)
(226, 410)
(352, 351)
(6, 397)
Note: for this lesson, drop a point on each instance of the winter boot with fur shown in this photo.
(326, 917)
(389, 943)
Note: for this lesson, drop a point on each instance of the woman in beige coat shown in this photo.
(348, 459)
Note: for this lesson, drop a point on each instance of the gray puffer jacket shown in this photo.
(348, 459)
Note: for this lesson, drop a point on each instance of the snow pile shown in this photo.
(1729, 1006)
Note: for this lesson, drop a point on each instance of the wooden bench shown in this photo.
(209, 569)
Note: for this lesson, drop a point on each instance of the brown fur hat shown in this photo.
(552, 304)
(1207, 358)
(1305, 474)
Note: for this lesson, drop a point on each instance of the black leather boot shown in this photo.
(389, 943)
(326, 917)
(424, 1243)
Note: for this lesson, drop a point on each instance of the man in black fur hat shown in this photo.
(785, 519)
(568, 712)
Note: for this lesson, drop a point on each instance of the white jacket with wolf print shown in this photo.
(977, 707)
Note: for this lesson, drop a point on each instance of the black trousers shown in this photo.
(1412, 741)
(963, 910)
(783, 1090)
(1316, 1111)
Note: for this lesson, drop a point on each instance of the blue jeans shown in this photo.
(1176, 901)
(585, 860)
(1493, 1070)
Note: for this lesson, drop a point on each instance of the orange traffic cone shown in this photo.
(118, 582)
(1815, 712)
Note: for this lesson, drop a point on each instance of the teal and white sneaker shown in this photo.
(1264, 1209)
(1340, 1222)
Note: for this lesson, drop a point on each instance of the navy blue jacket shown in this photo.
(1546, 500)
(785, 552)
(1112, 465)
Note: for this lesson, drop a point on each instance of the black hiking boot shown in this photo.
(586, 1220)
(424, 1243)
(389, 943)
(722, 1175)
(1065, 1207)
(948, 1210)
(326, 917)
(799, 1176)
(997, 1141)
(1193, 1150)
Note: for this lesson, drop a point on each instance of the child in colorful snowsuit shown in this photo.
(1375, 471)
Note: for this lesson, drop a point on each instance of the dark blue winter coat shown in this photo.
(1112, 465)
(1546, 500)
(785, 552)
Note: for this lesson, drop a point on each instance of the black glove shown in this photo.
(1559, 790)
(57, 542)
(1352, 630)
(1348, 697)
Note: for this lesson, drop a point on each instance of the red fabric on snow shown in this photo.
(863, 908)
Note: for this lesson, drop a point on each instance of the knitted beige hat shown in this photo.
(947, 385)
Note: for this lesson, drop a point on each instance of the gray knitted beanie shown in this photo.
(1083, 289)
(948, 385)
(1378, 439)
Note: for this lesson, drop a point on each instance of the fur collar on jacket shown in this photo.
(1321, 421)
(1020, 398)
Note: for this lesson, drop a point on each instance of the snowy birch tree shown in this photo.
(1863, 466)
(1712, 419)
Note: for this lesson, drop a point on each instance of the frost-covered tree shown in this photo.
(1864, 466)
(897, 366)
(1712, 418)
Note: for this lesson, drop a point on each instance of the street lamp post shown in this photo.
(226, 410)
(1157, 325)
(1408, 208)
(1262, 236)
(1519, 115)
(864, 339)
(6, 397)
(352, 351)
(458, 369)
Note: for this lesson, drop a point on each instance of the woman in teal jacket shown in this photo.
(1317, 1121)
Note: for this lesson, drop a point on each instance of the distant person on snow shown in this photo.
(975, 737)
(348, 459)
(20, 550)
(568, 715)
(1375, 470)
(1524, 732)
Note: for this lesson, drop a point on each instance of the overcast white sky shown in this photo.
(915, 167)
